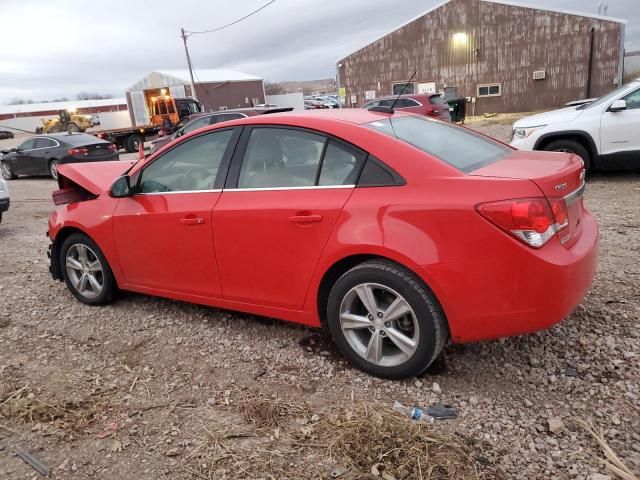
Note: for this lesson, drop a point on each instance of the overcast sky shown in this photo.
(57, 48)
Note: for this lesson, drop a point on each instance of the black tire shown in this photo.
(53, 168)
(7, 173)
(109, 286)
(428, 315)
(571, 146)
(133, 143)
(55, 129)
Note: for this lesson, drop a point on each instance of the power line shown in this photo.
(232, 23)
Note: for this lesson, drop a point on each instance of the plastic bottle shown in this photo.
(414, 413)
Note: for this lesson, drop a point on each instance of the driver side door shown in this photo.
(619, 130)
(21, 161)
(164, 232)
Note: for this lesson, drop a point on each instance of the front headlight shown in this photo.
(521, 133)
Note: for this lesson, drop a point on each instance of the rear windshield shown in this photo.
(437, 100)
(458, 147)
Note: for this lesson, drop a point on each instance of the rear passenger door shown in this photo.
(43, 152)
(285, 190)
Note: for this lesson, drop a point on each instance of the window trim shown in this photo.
(233, 175)
(218, 182)
(489, 85)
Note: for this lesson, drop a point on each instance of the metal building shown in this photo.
(216, 89)
(502, 56)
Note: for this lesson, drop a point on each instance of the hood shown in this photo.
(555, 116)
(95, 177)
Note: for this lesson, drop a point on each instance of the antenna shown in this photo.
(402, 91)
(384, 109)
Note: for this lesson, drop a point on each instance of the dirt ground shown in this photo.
(147, 388)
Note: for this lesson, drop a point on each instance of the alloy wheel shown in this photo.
(6, 171)
(379, 324)
(84, 270)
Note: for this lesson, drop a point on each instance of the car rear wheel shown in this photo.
(53, 169)
(385, 321)
(571, 146)
(7, 174)
(85, 270)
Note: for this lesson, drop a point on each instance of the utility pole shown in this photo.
(186, 51)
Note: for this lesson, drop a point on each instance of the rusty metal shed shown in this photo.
(502, 56)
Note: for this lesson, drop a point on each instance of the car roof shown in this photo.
(356, 116)
(75, 138)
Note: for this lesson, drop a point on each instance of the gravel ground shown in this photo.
(148, 388)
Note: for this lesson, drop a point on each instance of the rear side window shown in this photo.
(340, 165)
(460, 148)
(196, 124)
(28, 145)
(405, 103)
(281, 157)
(45, 143)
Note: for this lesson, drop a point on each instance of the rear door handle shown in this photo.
(305, 218)
(192, 221)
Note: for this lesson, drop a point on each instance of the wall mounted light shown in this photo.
(460, 39)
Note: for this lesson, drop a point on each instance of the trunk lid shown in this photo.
(97, 150)
(560, 176)
(95, 177)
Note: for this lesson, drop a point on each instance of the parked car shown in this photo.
(42, 154)
(4, 134)
(429, 105)
(604, 132)
(395, 231)
(4, 198)
(204, 119)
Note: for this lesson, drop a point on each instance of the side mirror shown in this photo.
(121, 188)
(618, 106)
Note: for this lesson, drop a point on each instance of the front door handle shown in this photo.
(305, 218)
(192, 221)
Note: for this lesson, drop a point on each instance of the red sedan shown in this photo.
(395, 231)
(427, 104)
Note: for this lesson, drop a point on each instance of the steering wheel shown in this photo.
(194, 176)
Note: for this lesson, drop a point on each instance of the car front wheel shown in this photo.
(571, 146)
(385, 321)
(85, 270)
(7, 174)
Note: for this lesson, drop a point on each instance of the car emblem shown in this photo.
(561, 186)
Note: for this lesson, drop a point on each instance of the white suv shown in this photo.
(605, 132)
(4, 198)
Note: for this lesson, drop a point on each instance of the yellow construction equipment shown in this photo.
(66, 121)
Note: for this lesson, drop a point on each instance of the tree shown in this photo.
(273, 88)
(91, 96)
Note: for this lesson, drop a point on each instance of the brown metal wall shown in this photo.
(230, 94)
(505, 44)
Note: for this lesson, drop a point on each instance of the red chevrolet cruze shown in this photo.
(395, 231)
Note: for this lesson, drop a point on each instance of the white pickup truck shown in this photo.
(604, 132)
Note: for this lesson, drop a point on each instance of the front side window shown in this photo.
(633, 100)
(227, 116)
(281, 157)
(190, 166)
(460, 148)
(406, 103)
(28, 145)
(400, 88)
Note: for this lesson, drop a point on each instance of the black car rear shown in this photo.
(42, 154)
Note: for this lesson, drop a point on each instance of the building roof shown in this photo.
(165, 78)
(49, 106)
(502, 2)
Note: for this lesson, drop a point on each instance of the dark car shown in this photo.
(199, 120)
(42, 154)
(429, 105)
(5, 134)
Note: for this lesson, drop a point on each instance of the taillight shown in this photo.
(532, 220)
(78, 151)
(113, 147)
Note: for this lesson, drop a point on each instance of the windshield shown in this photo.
(460, 148)
(604, 99)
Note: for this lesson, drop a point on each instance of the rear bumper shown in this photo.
(522, 293)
